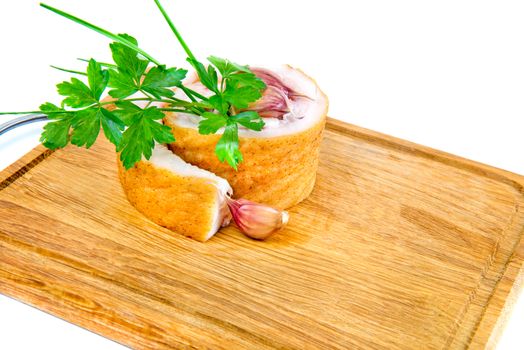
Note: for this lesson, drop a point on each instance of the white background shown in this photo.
(446, 74)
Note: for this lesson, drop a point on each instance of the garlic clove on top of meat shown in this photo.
(277, 99)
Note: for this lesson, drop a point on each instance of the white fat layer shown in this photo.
(312, 108)
(163, 158)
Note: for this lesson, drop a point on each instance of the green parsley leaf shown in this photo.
(97, 79)
(211, 122)
(208, 81)
(249, 119)
(218, 103)
(86, 126)
(226, 67)
(127, 59)
(241, 97)
(125, 80)
(78, 94)
(159, 79)
(56, 132)
(112, 126)
(227, 147)
(128, 112)
(122, 83)
(246, 79)
(139, 138)
(243, 89)
(52, 111)
(213, 77)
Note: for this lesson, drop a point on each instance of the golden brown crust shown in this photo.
(279, 171)
(186, 205)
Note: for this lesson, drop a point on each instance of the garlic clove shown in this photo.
(277, 98)
(274, 102)
(257, 221)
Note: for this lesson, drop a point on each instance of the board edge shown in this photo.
(509, 288)
(371, 136)
(23, 165)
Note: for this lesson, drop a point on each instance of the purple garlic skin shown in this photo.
(257, 221)
(276, 98)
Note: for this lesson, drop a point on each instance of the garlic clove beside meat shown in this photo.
(257, 221)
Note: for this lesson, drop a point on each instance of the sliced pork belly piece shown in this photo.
(281, 161)
(177, 195)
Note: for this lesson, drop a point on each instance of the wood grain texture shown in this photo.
(398, 247)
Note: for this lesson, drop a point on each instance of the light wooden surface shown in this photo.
(398, 247)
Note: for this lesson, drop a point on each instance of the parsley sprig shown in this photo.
(134, 129)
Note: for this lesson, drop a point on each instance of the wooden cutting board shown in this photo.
(398, 247)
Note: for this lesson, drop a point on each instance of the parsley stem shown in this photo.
(178, 100)
(175, 110)
(192, 93)
(187, 92)
(131, 100)
(181, 103)
(14, 113)
(174, 100)
(101, 31)
(109, 65)
(196, 94)
(103, 104)
(68, 70)
(148, 95)
(175, 31)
